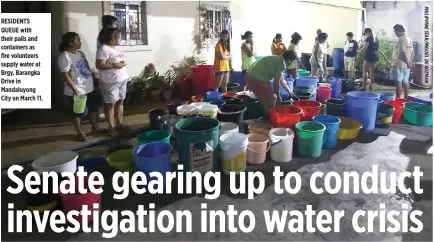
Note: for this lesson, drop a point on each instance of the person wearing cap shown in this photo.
(371, 55)
(403, 54)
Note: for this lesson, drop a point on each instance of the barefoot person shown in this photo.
(222, 56)
(78, 80)
(291, 69)
(371, 55)
(247, 53)
(403, 54)
(317, 58)
(259, 75)
(110, 60)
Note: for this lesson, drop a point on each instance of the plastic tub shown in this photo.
(306, 82)
(154, 136)
(227, 127)
(233, 150)
(282, 140)
(76, 200)
(202, 77)
(398, 110)
(323, 94)
(257, 148)
(121, 160)
(418, 114)
(58, 161)
(332, 127)
(260, 128)
(310, 108)
(285, 116)
(186, 110)
(219, 103)
(80, 103)
(420, 99)
(153, 157)
(197, 140)
(387, 96)
(348, 128)
(254, 109)
(362, 106)
(402, 100)
(335, 107)
(233, 113)
(214, 95)
(384, 115)
(310, 138)
(208, 110)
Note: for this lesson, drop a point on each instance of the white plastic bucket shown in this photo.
(233, 150)
(59, 161)
(282, 140)
(228, 127)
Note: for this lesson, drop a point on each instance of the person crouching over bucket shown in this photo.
(260, 73)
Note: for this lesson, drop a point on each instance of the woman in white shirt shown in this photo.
(111, 62)
(78, 80)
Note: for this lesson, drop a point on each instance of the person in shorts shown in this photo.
(78, 80)
(111, 62)
(403, 54)
(222, 65)
(350, 51)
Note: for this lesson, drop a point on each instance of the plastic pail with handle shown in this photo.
(154, 136)
(282, 140)
(362, 106)
(310, 138)
(335, 107)
(332, 128)
(233, 151)
(80, 103)
(197, 140)
(257, 148)
(228, 127)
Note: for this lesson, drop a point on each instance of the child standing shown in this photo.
(78, 80)
(222, 56)
(247, 53)
(350, 51)
(291, 68)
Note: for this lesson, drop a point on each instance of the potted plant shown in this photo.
(167, 84)
(137, 90)
(155, 86)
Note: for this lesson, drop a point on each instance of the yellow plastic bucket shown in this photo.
(80, 103)
(121, 160)
(260, 128)
(348, 128)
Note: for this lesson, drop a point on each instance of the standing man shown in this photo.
(324, 48)
(403, 54)
(350, 51)
(108, 21)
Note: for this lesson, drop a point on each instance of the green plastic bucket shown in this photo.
(418, 114)
(198, 139)
(80, 103)
(207, 100)
(310, 138)
(122, 160)
(303, 73)
(154, 136)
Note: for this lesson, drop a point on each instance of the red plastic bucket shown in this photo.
(398, 109)
(310, 108)
(323, 94)
(203, 79)
(285, 116)
(402, 100)
(76, 201)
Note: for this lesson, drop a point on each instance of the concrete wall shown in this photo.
(173, 25)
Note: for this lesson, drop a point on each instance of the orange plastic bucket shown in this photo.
(310, 108)
(398, 109)
(285, 116)
(196, 98)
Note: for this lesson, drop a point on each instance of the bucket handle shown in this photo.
(276, 143)
(254, 151)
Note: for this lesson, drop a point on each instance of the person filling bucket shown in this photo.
(310, 138)
(233, 151)
(332, 128)
(257, 148)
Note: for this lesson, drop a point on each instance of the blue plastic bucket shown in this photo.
(336, 86)
(153, 157)
(289, 82)
(218, 102)
(362, 106)
(306, 81)
(237, 77)
(214, 95)
(332, 127)
(92, 164)
(387, 96)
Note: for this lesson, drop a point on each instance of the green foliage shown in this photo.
(181, 68)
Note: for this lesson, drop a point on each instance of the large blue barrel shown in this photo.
(237, 77)
(336, 86)
(338, 59)
(289, 82)
(362, 106)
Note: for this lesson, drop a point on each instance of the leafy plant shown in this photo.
(182, 68)
(137, 83)
(156, 82)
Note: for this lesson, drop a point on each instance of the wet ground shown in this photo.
(398, 149)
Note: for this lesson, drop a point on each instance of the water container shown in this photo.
(362, 106)
(310, 138)
(282, 140)
(172, 108)
(306, 81)
(233, 151)
(154, 136)
(397, 111)
(233, 87)
(384, 115)
(323, 94)
(121, 160)
(336, 86)
(254, 109)
(285, 116)
(227, 127)
(233, 113)
(57, 161)
(310, 108)
(217, 102)
(237, 77)
(332, 127)
(387, 96)
(80, 104)
(214, 95)
(203, 78)
(338, 59)
(156, 118)
(335, 107)
(197, 140)
(289, 82)
(257, 148)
